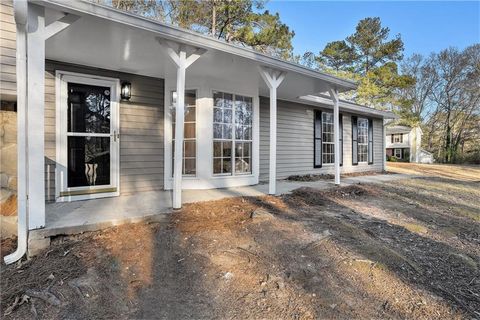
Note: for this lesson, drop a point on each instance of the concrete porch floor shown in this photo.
(89, 215)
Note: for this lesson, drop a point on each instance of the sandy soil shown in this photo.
(405, 249)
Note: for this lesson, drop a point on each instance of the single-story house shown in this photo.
(110, 103)
(405, 143)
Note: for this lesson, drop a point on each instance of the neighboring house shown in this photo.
(100, 101)
(404, 143)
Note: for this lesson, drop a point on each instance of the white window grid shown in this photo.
(398, 153)
(229, 114)
(188, 108)
(362, 129)
(328, 142)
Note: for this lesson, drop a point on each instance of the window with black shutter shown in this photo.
(324, 145)
(341, 138)
(317, 139)
(354, 141)
(370, 141)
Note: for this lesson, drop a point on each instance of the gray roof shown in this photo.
(398, 129)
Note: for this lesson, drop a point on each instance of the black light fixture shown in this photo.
(126, 91)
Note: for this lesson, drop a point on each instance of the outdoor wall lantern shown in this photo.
(126, 91)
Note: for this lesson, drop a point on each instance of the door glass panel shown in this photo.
(88, 108)
(88, 161)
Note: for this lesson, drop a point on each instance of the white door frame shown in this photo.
(62, 192)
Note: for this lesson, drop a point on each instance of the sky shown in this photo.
(425, 27)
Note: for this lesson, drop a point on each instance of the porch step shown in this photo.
(53, 231)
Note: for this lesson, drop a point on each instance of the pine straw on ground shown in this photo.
(9, 206)
(327, 176)
(363, 251)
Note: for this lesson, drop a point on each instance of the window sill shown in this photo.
(223, 176)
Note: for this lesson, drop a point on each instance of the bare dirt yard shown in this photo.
(404, 249)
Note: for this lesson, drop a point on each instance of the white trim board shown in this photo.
(205, 179)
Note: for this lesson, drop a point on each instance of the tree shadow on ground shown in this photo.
(422, 262)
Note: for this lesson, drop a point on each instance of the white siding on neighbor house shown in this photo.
(295, 141)
(404, 144)
(141, 129)
(8, 87)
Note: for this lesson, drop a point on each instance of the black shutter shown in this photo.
(401, 137)
(370, 141)
(354, 141)
(340, 120)
(317, 139)
(392, 138)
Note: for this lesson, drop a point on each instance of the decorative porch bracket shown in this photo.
(34, 153)
(62, 23)
(178, 54)
(336, 132)
(273, 79)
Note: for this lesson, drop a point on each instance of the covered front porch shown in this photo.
(82, 216)
(92, 37)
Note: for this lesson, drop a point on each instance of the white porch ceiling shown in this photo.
(104, 43)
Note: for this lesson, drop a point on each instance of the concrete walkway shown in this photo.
(80, 216)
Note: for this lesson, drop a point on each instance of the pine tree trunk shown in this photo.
(214, 19)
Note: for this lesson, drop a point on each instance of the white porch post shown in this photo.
(336, 133)
(35, 117)
(182, 62)
(37, 34)
(179, 128)
(273, 79)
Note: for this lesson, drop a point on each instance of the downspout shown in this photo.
(20, 8)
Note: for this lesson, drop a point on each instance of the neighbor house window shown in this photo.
(232, 133)
(398, 138)
(362, 126)
(398, 153)
(189, 166)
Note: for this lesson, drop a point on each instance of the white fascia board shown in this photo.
(191, 38)
(398, 129)
(347, 106)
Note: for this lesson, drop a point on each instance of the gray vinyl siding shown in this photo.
(141, 130)
(8, 87)
(295, 141)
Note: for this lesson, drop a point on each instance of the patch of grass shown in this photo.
(414, 227)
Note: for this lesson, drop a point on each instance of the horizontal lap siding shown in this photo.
(295, 142)
(141, 129)
(8, 87)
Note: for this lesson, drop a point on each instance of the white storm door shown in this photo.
(87, 137)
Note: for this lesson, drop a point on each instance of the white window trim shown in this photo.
(205, 178)
(233, 140)
(395, 153)
(330, 143)
(358, 143)
(399, 136)
(170, 122)
(168, 140)
(61, 81)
